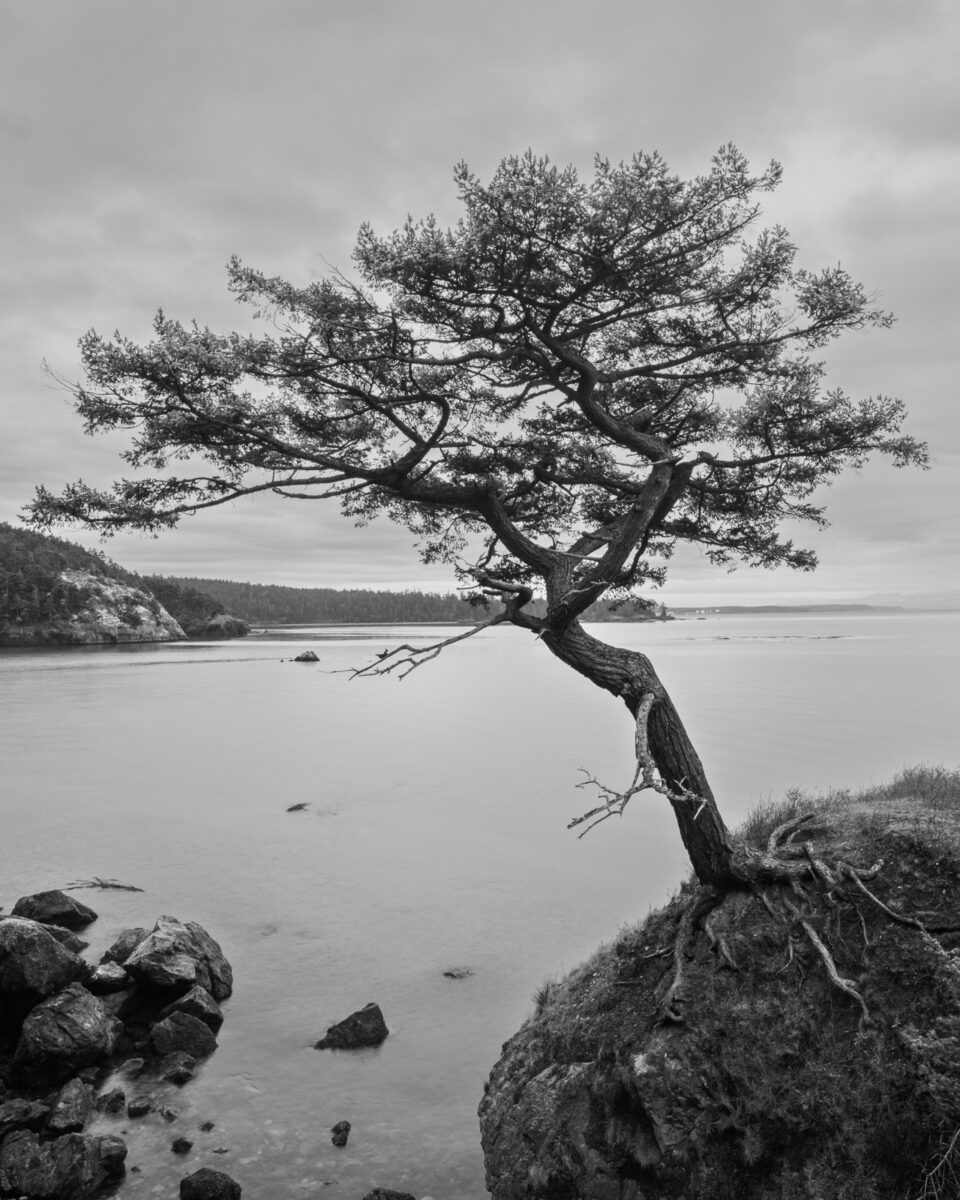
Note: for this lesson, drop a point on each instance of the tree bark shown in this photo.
(630, 675)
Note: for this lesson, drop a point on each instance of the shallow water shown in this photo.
(434, 837)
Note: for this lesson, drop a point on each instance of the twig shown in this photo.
(103, 884)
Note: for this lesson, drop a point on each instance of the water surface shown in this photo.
(433, 838)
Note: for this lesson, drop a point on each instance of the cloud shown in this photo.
(143, 144)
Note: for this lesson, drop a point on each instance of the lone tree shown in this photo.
(572, 380)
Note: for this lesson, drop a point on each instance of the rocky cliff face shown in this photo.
(768, 1080)
(109, 613)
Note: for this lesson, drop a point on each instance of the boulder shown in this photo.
(177, 956)
(65, 1033)
(366, 1027)
(72, 1108)
(108, 977)
(54, 908)
(181, 1145)
(33, 961)
(206, 1184)
(307, 656)
(181, 1031)
(340, 1131)
(200, 1004)
(22, 1114)
(123, 945)
(71, 1167)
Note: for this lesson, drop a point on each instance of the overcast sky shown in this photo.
(143, 143)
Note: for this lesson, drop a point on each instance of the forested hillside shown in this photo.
(31, 590)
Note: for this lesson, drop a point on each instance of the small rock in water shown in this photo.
(207, 1126)
(111, 1102)
(206, 1184)
(366, 1027)
(387, 1194)
(178, 1068)
(181, 1145)
(298, 807)
(340, 1131)
(457, 973)
(307, 656)
(139, 1108)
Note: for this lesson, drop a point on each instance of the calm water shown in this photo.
(434, 838)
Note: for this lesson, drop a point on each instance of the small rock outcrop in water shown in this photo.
(307, 656)
(206, 1184)
(379, 1193)
(340, 1131)
(60, 1043)
(774, 1083)
(366, 1027)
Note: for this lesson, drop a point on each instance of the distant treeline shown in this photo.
(273, 604)
(31, 590)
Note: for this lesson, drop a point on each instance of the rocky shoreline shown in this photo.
(78, 1041)
(81, 1042)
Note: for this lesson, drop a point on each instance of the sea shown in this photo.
(429, 867)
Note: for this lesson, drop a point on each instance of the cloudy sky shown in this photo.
(143, 143)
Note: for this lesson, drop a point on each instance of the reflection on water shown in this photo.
(431, 836)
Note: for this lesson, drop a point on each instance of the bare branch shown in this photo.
(387, 662)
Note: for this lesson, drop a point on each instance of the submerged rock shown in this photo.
(54, 908)
(206, 1184)
(366, 1027)
(379, 1193)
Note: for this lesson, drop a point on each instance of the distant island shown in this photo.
(728, 609)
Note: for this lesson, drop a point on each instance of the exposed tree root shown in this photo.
(845, 985)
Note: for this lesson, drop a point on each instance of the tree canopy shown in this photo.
(552, 395)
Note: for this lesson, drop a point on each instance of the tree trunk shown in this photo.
(630, 675)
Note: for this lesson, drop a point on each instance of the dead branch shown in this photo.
(387, 662)
(645, 778)
(845, 985)
(102, 884)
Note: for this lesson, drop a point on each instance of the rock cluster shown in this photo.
(152, 1004)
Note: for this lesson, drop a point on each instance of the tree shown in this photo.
(571, 381)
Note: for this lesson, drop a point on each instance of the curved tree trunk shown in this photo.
(630, 675)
